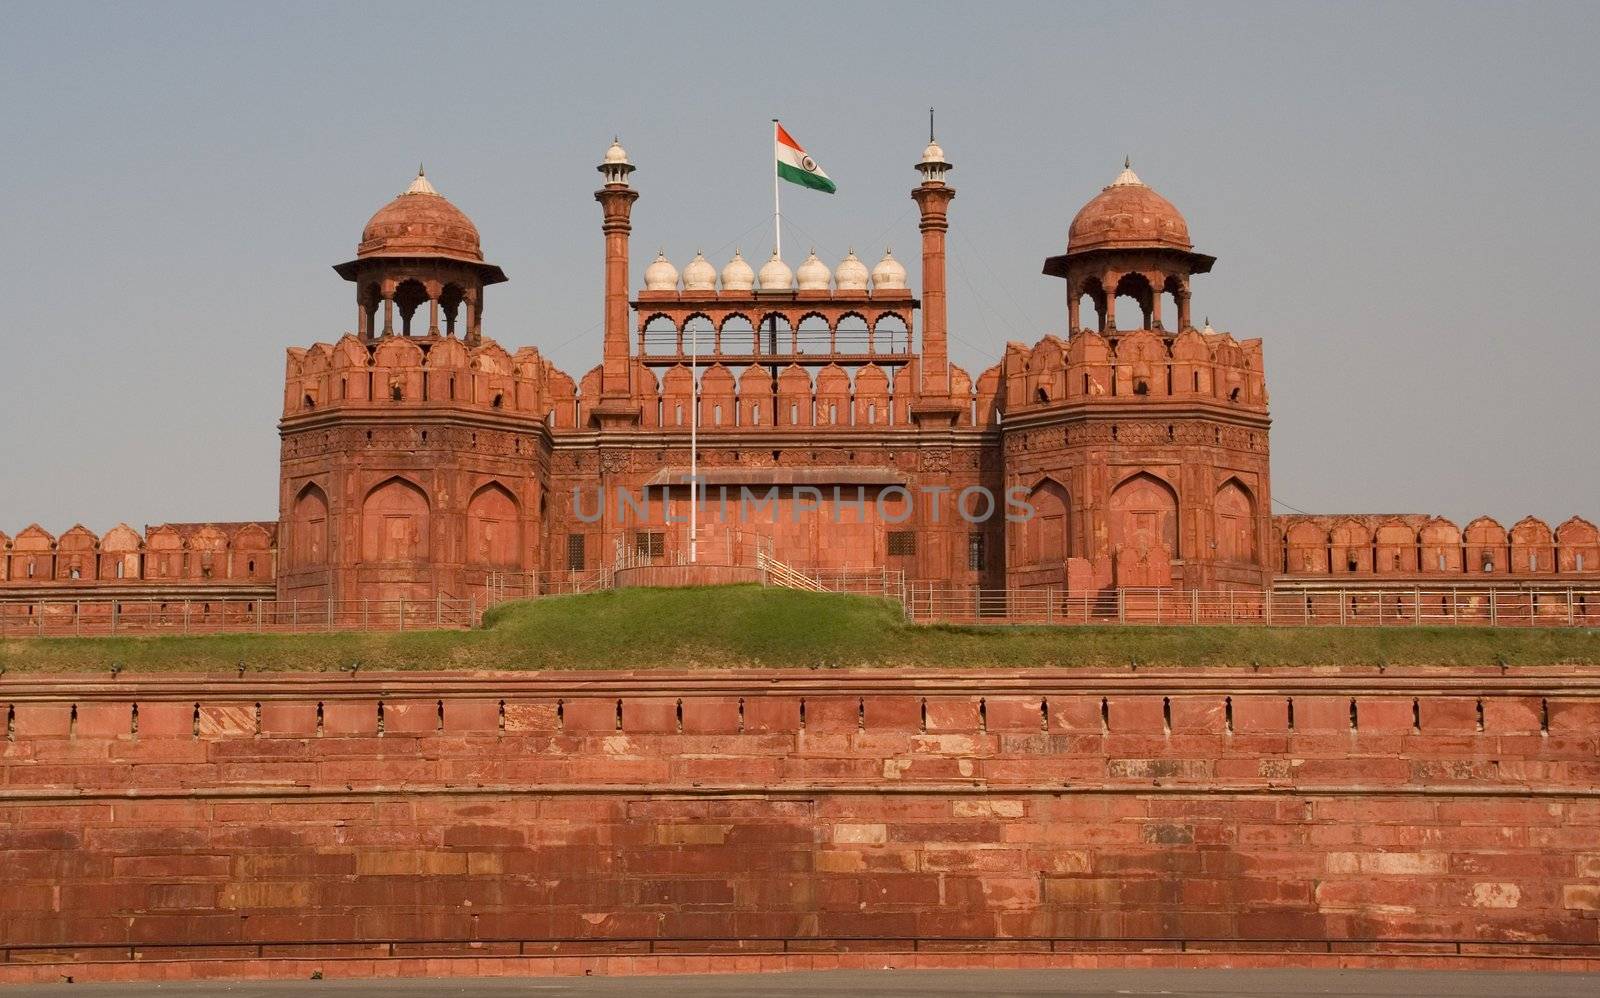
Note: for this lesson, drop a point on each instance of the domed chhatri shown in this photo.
(699, 274)
(776, 275)
(661, 275)
(1128, 214)
(420, 223)
(737, 275)
(813, 274)
(851, 274)
(888, 274)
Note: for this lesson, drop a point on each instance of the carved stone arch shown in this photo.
(1306, 545)
(1440, 543)
(1533, 547)
(1578, 546)
(494, 527)
(1350, 547)
(307, 545)
(1396, 547)
(1233, 519)
(1486, 545)
(1143, 515)
(1047, 533)
(395, 523)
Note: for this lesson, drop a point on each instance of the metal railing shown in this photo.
(1413, 607)
(101, 617)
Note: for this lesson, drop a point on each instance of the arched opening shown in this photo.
(453, 314)
(308, 528)
(660, 335)
(1143, 515)
(699, 335)
(371, 300)
(394, 523)
(738, 335)
(410, 300)
(1091, 293)
(494, 528)
(1045, 536)
(890, 334)
(1172, 311)
(776, 334)
(1136, 288)
(850, 335)
(1233, 524)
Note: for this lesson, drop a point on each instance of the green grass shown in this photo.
(749, 626)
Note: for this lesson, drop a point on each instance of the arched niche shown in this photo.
(1046, 534)
(1233, 513)
(308, 528)
(394, 523)
(494, 528)
(1143, 515)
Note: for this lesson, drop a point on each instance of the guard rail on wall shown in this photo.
(91, 617)
(1524, 607)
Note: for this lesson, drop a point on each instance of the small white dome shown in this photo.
(661, 275)
(813, 274)
(888, 273)
(699, 275)
(616, 154)
(851, 274)
(776, 275)
(737, 275)
(933, 154)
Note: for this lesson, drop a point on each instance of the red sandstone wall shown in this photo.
(279, 812)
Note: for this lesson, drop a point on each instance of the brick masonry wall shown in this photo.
(261, 815)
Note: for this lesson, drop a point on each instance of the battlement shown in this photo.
(1137, 367)
(1434, 548)
(442, 371)
(242, 553)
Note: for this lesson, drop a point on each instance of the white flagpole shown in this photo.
(777, 212)
(694, 444)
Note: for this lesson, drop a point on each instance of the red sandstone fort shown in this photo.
(420, 457)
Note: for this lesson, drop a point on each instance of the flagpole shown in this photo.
(777, 211)
(694, 443)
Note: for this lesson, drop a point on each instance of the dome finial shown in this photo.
(1127, 162)
(420, 185)
(420, 171)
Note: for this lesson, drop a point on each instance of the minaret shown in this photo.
(616, 199)
(933, 200)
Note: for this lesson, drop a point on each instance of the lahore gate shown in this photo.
(420, 457)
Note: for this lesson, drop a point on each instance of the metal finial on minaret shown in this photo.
(930, 124)
(1127, 162)
(420, 171)
(933, 166)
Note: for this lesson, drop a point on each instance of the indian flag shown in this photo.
(795, 166)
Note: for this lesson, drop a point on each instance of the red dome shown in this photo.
(1128, 215)
(420, 222)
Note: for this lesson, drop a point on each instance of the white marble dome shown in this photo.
(737, 275)
(699, 275)
(661, 275)
(814, 275)
(775, 275)
(616, 154)
(933, 154)
(888, 273)
(851, 274)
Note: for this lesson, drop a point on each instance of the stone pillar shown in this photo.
(433, 316)
(1183, 309)
(388, 317)
(616, 203)
(1074, 305)
(933, 200)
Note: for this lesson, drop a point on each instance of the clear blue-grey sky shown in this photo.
(1402, 199)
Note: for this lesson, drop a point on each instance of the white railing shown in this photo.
(101, 617)
(1523, 607)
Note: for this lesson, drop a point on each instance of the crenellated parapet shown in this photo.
(1140, 367)
(1434, 549)
(169, 554)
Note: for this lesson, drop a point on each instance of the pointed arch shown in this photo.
(1233, 519)
(394, 522)
(494, 527)
(308, 528)
(1143, 514)
(1046, 536)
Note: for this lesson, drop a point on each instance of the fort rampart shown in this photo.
(409, 823)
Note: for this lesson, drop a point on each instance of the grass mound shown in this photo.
(750, 626)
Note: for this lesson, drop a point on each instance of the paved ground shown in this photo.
(912, 984)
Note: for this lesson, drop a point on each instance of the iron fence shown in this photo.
(101, 617)
(1410, 607)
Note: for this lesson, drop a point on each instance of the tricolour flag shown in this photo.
(795, 166)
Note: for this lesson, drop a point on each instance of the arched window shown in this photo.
(411, 300)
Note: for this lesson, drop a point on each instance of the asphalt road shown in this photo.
(910, 984)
